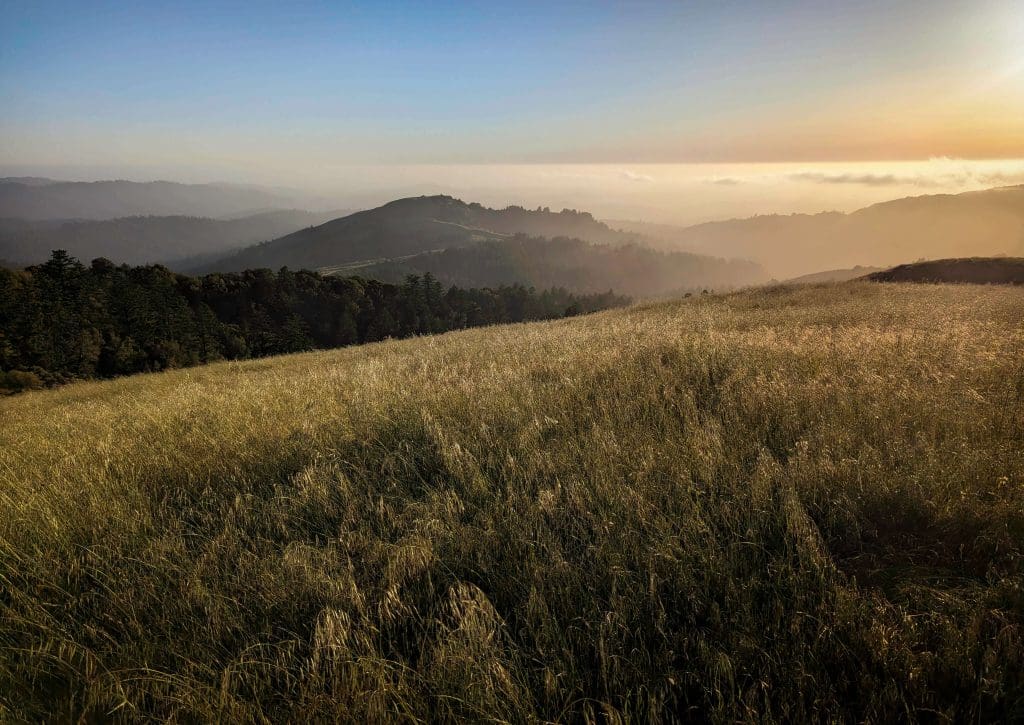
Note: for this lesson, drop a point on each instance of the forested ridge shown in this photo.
(575, 264)
(63, 320)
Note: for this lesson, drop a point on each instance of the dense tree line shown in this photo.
(63, 320)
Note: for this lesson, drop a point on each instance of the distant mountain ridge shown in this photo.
(28, 180)
(38, 198)
(974, 223)
(146, 239)
(387, 238)
(413, 226)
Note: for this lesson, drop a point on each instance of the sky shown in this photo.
(842, 99)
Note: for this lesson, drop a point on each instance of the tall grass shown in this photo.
(788, 505)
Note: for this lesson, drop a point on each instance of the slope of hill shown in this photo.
(974, 270)
(787, 505)
(146, 239)
(412, 226)
(29, 198)
(971, 224)
(571, 263)
(834, 275)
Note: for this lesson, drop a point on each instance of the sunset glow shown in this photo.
(306, 95)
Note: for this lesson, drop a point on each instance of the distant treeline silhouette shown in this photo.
(63, 320)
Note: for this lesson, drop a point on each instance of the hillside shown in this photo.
(146, 239)
(34, 198)
(834, 275)
(412, 226)
(976, 270)
(982, 223)
(633, 270)
(795, 504)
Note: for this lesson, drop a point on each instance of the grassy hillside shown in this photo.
(412, 226)
(147, 239)
(975, 270)
(801, 503)
(571, 263)
(942, 225)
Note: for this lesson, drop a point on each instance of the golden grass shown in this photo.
(790, 504)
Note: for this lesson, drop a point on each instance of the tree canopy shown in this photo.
(63, 320)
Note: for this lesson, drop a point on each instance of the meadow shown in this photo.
(789, 504)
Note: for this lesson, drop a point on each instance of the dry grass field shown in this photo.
(793, 504)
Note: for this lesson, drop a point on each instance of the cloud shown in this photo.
(950, 174)
(725, 181)
(633, 176)
(862, 179)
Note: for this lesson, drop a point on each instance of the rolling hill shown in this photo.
(146, 239)
(974, 270)
(629, 269)
(412, 226)
(36, 198)
(981, 223)
(793, 504)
